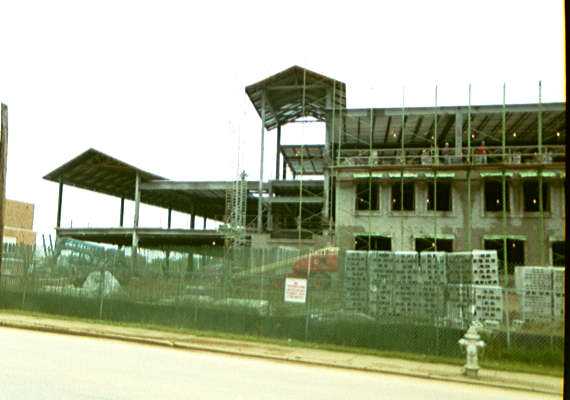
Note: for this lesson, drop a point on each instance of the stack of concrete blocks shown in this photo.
(473, 287)
(558, 293)
(535, 285)
(460, 298)
(381, 283)
(433, 280)
(356, 281)
(489, 305)
(406, 294)
(459, 269)
(485, 267)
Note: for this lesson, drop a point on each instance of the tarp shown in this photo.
(93, 282)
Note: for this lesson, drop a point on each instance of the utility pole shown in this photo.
(3, 162)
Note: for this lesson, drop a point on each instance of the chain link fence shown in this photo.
(390, 301)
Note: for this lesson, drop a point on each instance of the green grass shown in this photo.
(535, 362)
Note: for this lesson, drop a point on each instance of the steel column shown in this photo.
(59, 202)
(435, 163)
(135, 244)
(542, 233)
(468, 245)
(403, 161)
(504, 187)
(278, 155)
(370, 179)
(260, 199)
(284, 169)
(122, 212)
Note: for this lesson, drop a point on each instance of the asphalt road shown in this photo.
(36, 365)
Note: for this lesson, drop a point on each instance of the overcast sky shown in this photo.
(160, 84)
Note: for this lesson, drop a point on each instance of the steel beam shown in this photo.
(189, 186)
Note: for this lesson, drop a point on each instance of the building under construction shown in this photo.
(451, 178)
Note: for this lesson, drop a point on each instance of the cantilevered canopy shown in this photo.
(306, 159)
(99, 172)
(356, 128)
(296, 92)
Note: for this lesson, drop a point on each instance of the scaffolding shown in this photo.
(235, 218)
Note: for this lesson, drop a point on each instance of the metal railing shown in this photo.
(449, 156)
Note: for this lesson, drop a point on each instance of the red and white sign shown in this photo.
(295, 290)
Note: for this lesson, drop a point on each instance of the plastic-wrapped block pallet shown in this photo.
(460, 303)
(380, 265)
(432, 302)
(432, 267)
(405, 295)
(535, 285)
(558, 306)
(537, 307)
(534, 279)
(485, 267)
(380, 278)
(488, 303)
(459, 267)
(406, 266)
(558, 279)
(406, 303)
(558, 295)
(355, 281)
(380, 302)
(406, 300)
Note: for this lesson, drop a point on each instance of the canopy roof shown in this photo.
(296, 92)
(99, 172)
(384, 125)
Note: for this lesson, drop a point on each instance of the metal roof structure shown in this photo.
(305, 159)
(384, 125)
(99, 172)
(293, 93)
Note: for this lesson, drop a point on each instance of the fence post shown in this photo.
(101, 291)
(553, 321)
(307, 306)
(507, 317)
(24, 259)
(181, 284)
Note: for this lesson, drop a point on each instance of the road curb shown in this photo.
(297, 360)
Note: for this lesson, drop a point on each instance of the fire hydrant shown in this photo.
(471, 341)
